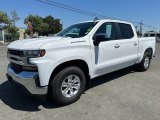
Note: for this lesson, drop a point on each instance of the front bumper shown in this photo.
(26, 80)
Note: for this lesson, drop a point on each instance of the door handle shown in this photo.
(117, 46)
(135, 44)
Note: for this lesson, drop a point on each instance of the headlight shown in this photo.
(34, 53)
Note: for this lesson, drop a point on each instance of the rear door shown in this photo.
(129, 44)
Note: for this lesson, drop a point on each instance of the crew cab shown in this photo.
(61, 66)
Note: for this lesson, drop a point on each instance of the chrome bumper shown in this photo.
(26, 80)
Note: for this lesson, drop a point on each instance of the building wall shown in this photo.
(153, 34)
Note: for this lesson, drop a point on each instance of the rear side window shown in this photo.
(125, 31)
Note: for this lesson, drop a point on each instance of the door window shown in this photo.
(125, 31)
(108, 30)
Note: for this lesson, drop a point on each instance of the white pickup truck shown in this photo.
(61, 66)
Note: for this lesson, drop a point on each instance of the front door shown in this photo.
(106, 56)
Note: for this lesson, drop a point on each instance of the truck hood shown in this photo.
(33, 44)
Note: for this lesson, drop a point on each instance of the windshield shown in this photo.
(77, 30)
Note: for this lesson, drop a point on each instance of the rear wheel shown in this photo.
(67, 86)
(145, 63)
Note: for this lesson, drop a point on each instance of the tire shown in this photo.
(71, 79)
(145, 63)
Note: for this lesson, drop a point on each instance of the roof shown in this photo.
(108, 20)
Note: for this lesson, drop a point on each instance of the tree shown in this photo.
(57, 26)
(10, 27)
(36, 21)
(4, 18)
(14, 17)
(14, 32)
(49, 24)
(54, 25)
(44, 26)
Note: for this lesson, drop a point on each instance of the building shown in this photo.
(8, 37)
(153, 34)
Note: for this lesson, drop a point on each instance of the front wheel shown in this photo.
(145, 63)
(67, 86)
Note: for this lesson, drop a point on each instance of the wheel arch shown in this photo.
(78, 63)
(150, 50)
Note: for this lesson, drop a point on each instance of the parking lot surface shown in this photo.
(122, 95)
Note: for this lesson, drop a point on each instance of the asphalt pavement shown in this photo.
(122, 95)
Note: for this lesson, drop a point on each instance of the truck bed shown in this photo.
(146, 42)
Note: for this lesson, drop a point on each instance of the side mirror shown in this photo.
(100, 38)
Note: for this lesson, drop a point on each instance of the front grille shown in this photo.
(19, 68)
(15, 52)
(30, 68)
